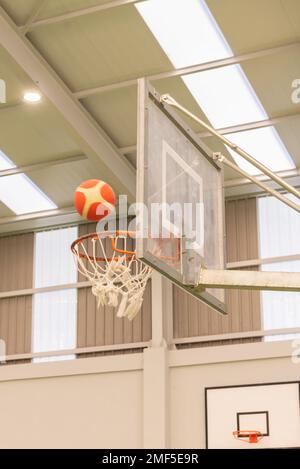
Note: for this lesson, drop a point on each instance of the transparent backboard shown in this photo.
(180, 198)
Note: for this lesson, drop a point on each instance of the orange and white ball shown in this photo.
(94, 199)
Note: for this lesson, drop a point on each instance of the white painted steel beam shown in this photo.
(33, 15)
(77, 351)
(252, 125)
(235, 335)
(78, 13)
(190, 69)
(266, 260)
(262, 177)
(41, 165)
(39, 220)
(236, 129)
(94, 142)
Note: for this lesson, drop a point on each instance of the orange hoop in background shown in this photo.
(112, 235)
(254, 436)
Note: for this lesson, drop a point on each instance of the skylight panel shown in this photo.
(19, 193)
(185, 29)
(265, 146)
(189, 34)
(225, 96)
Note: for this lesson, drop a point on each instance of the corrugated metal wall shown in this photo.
(16, 273)
(100, 326)
(192, 318)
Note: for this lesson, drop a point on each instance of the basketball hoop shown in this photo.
(118, 278)
(251, 436)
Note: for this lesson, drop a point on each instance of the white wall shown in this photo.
(118, 401)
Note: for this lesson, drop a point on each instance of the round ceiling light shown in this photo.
(32, 96)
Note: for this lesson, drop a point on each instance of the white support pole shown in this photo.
(162, 310)
(245, 279)
(155, 405)
(156, 372)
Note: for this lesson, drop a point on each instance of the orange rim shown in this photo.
(108, 234)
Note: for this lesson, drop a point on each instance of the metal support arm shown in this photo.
(245, 279)
(167, 99)
(249, 280)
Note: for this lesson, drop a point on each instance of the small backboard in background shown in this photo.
(181, 188)
(272, 409)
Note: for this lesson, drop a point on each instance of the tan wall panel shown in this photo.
(15, 324)
(193, 318)
(16, 262)
(16, 273)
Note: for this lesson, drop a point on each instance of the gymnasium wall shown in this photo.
(154, 399)
(99, 326)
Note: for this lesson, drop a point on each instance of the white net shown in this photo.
(117, 280)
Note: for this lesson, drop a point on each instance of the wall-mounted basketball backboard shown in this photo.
(180, 190)
(271, 409)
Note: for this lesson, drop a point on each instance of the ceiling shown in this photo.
(85, 56)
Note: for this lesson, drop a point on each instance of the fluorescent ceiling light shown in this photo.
(19, 193)
(265, 146)
(32, 96)
(225, 96)
(189, 34)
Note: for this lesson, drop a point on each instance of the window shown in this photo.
(279, 236)
(54, 312)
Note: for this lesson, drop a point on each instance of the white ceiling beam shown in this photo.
(261, 177)
(41, 165)
(92, 139)
(252, 125)
(33, 15)
(233, 129)
(40, 220)
(37, 215)
(77, 13)
(189, 70)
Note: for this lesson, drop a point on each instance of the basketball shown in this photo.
(94, 199)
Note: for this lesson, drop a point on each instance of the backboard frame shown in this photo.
(147, 93)
(265, 411)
